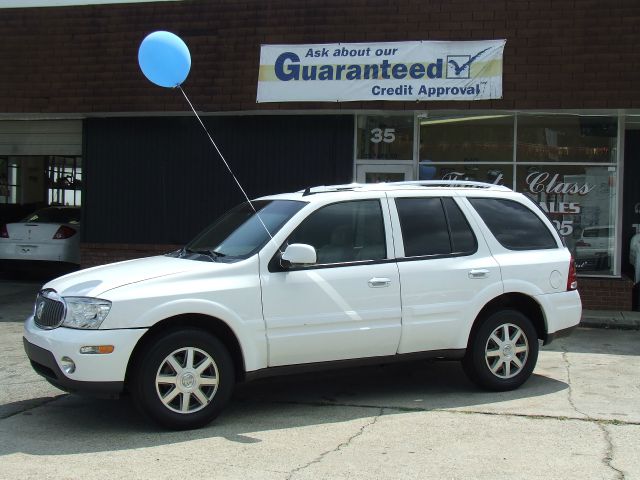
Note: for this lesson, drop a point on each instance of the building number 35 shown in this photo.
(387, 135)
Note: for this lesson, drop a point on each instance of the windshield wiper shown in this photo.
(212, 254)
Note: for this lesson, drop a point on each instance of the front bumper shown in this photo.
(96, 374)
(44, 363)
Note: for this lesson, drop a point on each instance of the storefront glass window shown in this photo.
(9, 180)
(64, 179)
(468, 138)
(497, 174)
(385, 137)
(567, 163)
(581, 202)
(566, 138)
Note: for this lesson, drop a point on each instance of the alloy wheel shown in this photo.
(187, 380)
(506, 351)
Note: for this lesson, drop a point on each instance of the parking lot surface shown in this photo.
(577, 417)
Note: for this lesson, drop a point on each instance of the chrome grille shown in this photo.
(50, 310)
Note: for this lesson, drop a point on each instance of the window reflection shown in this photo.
(470, 138)
(566, 138)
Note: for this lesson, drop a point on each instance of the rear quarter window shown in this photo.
(514, 225)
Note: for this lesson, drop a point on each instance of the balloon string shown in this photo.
(225, 162)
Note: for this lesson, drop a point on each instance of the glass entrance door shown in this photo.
(377, 173)
(385, 148)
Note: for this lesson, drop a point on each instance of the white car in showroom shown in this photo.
(51, 234)
(594, 249)
(342, 275)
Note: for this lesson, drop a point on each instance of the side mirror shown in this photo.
(300, 254)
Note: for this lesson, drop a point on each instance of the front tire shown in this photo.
(503, 351)
(183, 380)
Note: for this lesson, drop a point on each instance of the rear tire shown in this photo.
(503, 351)
(183, 380)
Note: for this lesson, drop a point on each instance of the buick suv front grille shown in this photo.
(50, 310)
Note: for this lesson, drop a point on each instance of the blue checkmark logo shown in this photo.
(459, 66)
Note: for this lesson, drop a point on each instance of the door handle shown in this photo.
(377, 282)
(478, 273)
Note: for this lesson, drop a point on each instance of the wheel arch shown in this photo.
(525, 304)
(212, 325)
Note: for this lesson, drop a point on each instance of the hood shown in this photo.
(95, 281)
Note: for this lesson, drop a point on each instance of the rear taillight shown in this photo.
(572, 279)
(64, 232)
(4, 233)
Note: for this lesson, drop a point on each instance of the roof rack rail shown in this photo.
(411, 183)
(330, 188)
(452, 183)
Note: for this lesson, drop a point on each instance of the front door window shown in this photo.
(344, 232)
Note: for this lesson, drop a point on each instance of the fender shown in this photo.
(249, 332)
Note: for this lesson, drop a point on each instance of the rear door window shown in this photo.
(513, 224)
(462, 238)
(434, 226)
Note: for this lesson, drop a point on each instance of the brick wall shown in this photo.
(94, 254)
(596, 293)
(606, 293)
(559, 54)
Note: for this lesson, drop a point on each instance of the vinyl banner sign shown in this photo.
(402, 71)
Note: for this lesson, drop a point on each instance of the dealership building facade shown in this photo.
(81, 125)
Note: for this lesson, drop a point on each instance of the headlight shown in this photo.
(84, 312)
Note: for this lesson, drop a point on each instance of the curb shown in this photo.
(610, 320)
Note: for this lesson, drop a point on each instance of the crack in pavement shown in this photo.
(608, 458)
(339, 447)
(608, 454)
(565, 359)
(600, 423)
(462, 412)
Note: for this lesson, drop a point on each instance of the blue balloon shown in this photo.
(164, 59)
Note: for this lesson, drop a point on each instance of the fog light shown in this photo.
(67, 365)
(97, 349)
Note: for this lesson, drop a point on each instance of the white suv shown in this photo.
(325, 276)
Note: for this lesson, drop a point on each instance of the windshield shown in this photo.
(239, 233)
